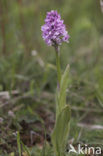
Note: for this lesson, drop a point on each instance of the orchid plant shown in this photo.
(54, 33)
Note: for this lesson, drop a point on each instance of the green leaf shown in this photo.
(61, 131)
(26, 149)
(62, 94)
(19, 144)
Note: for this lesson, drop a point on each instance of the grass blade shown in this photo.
(19, 144)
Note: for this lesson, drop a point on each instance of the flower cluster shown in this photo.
(54, 31)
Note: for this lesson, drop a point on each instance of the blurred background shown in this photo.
(28, 72)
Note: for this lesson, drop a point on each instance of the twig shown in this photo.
(91, 127)
(24, 96)
(95, 110)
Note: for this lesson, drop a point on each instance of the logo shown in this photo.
(84, 149)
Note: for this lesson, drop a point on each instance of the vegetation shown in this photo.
(28, 75)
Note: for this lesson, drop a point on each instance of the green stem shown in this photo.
(58, 66)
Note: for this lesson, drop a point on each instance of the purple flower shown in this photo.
(54, 31)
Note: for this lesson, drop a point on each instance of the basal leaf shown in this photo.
(61, 131)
